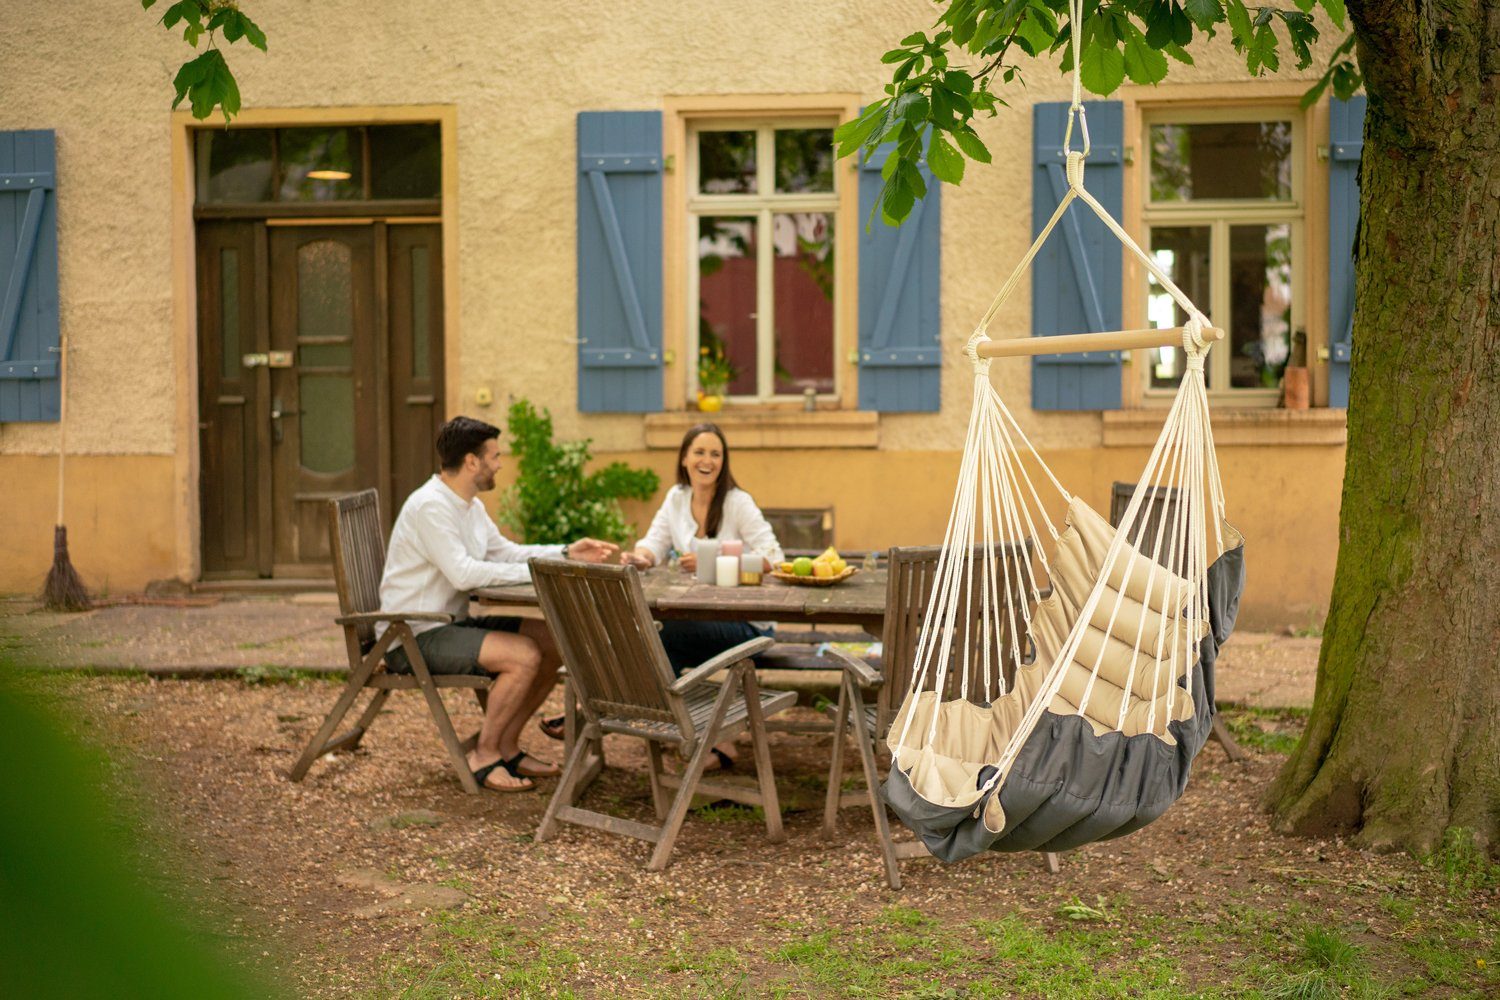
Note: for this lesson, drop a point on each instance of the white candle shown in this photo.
(707, 550)
(728, 571)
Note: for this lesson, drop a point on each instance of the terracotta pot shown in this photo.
(710, 402)
(1296, 388)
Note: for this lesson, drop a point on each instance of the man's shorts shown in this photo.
(452, 649)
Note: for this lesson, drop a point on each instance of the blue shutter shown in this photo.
(900, 357)
(1346, 131)
(619, 262)
(1076, 281)
(28, 276)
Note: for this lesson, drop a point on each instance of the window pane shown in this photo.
(325, 296)
(727, 304)
(804, 160)
(803, 286)
(321, 164)
(1260, 304)
(234, 165)
(1183, 253)
(726, 162)
(405, 161)
(1221, 160)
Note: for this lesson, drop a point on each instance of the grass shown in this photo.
(1266, 730)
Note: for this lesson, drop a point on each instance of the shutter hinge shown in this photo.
(1129, 155)
(853, 356)
(669, 162)
(669, 357)
(1323, 154)
(1323, 354)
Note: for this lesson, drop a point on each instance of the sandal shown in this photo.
(482, 776)
(554, 728)
(540, 769)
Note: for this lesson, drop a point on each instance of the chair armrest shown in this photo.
(728, 658)
(866, 675)
(371, 617)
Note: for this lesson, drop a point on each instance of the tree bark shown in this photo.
(1403, 743)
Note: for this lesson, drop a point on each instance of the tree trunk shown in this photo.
(1404, 738)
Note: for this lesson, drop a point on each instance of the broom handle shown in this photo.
(1078, 343)
(62, 420)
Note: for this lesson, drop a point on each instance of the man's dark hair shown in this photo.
(462, 436)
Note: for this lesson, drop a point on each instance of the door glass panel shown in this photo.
(420, 306)
(1209, 160)
(1183, 253)
(726, 162)
(229, 314)
(321, 164)
(1260, 304)
(803, 286)
(327, 423)
(325, 297)
(804, 160)
(727, 302)
(405, 161)
(326, 356)
(234, 165)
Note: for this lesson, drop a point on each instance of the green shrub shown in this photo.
(554, 499)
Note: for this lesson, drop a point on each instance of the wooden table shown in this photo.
(859, 600)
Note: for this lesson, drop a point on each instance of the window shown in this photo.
(318, 164)
(1223, 210)
(762, 209)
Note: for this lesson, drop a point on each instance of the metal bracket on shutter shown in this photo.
(28, 369)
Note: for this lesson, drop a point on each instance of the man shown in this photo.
(443, 546)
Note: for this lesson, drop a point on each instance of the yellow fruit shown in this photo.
(829, 554)
(786, 567)
(838, 566)
(823, 569)
(802, 566)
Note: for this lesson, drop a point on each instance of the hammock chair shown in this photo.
(1082, 724)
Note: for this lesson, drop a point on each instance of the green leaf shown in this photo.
(973, 147)
(947, 163)
(146, 4)
(898, 55)
(943, 108)
(1239, 23)
(1143, 63)
(958, 82)
(1179, 53)
(896, 203)
(1335, 9)
(1205, 13)
(1035, 35)
(1103, 69)
(915, 38)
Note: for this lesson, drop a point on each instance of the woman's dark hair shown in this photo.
(726, 478)
(462, 436)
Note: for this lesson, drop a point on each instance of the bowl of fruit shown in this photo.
(823, 570)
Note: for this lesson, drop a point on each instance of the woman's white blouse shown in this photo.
(674, 527)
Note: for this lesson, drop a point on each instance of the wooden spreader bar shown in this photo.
(1079, 343)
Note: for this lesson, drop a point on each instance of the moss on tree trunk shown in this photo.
(1404, 738)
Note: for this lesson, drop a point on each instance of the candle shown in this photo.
(728, 571)
(707, 550)
(751, 567)
(731, 547)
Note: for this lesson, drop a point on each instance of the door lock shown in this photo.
(276, 415)
(270, 359)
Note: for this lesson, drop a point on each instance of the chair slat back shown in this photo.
(909, 587)
(604, 630)
(358, 545)
(1159, 510)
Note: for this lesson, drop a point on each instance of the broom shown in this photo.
(63, 591)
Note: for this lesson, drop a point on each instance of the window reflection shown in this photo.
(1260, 304)
(727, 309)
(803, 286)
(804, 160)
(726, 162)
(321, 164)
(1183, 253)
(1221, 160)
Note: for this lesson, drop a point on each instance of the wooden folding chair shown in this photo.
(913, 571)
(1161, 510)
(624, 684)
(358, 561)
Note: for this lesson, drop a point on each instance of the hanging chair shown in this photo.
(1083, 725)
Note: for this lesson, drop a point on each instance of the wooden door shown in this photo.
(325, 420)
(233, 401)
(414, 273)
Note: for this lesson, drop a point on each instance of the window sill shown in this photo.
(1320, 426)
(770, 429)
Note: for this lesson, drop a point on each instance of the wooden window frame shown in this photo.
(684, 116)
(1307, 214)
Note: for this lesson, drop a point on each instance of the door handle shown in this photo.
(276, 415)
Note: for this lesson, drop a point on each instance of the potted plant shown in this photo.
(715, 372)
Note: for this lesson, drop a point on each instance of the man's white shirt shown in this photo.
(443, 547)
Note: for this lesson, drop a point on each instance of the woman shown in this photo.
(705, 503)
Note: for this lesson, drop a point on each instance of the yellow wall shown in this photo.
(119, 514)
(1285, 500)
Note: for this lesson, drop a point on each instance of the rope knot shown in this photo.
(1193, 343)
(971, 351)
(1075, 169)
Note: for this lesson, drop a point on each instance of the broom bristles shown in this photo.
(64, 591)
